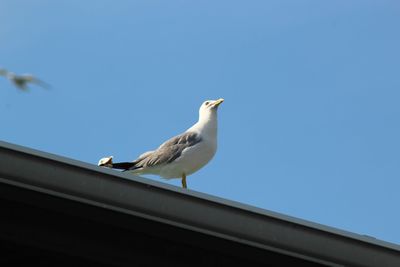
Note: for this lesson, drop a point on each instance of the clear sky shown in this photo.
(310, 123)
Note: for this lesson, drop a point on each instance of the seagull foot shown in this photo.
(184, 185)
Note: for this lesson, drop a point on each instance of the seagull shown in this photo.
(181, 155)
(21, 81)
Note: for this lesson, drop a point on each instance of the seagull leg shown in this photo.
(184, 185)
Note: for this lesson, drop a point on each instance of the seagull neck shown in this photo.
(207, 125)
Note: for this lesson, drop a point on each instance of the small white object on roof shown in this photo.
(106, 162)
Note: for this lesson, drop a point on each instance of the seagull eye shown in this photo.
(207, 102)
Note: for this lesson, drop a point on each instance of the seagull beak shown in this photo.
(218, 102)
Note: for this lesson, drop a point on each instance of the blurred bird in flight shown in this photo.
(21, 81)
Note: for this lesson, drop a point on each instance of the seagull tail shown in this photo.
(124, 166)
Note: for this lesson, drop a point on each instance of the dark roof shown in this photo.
(92, 201)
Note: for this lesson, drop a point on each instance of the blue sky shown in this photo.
(310, 123)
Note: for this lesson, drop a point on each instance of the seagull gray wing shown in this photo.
(167, 152)
(29, 78)
(41, 83)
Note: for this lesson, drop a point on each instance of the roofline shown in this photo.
(123, 192)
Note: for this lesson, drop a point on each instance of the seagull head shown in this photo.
(3, 72)
(208, 109)
(210, 105)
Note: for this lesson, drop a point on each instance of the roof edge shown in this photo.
(79, 181)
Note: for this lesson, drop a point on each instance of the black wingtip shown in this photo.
(123, 165)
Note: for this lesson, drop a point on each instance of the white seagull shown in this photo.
(22, 81)
(181, 155)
